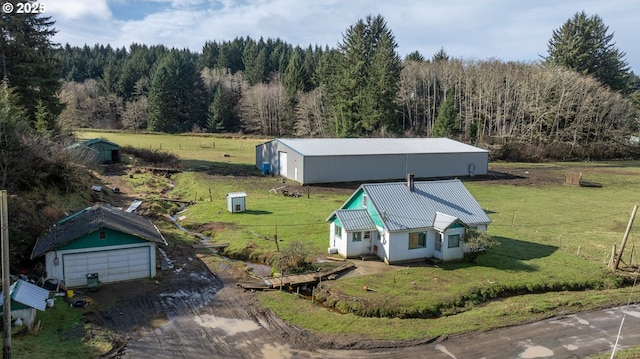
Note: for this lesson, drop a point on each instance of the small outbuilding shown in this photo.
(25, 298)
(329, 160)
(104, 240)
(106, 151)
(236, 202)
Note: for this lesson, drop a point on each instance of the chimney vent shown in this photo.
(410, 181)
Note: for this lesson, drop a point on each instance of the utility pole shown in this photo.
(6, 295)
(624, 239)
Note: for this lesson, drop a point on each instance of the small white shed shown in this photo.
(236, 202)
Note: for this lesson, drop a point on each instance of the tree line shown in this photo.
(360, 88)
(563, 106)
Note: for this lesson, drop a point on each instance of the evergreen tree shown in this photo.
(294, 76)
(255, 62)
(414, 56)
(441, 55)
(447, 121)
(366, 81)
(176, 95)
(27, 62)
(220, 117)
(13, 124)
(583, 44)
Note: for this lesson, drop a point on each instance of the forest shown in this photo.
(526, 111)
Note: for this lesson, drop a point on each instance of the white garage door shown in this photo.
(282, 165)
(111, 266)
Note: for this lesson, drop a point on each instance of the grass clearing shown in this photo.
(62, 335)
(555, 242)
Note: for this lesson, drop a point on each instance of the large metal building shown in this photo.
(329, 160)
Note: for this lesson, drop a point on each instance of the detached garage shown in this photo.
(328, 160)
(101, 239)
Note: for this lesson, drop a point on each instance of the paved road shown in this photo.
(574, 336)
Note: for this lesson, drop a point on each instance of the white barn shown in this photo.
(329, 160)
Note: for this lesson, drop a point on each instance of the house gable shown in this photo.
(361, 200)
(104, 237)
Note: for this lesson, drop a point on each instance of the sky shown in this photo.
(507, 30)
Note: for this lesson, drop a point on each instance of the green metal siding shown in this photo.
(111, 238)
(356, 202)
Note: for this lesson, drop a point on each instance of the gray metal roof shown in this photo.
(375, 146)
(355, 219)
(442, 221)
(28, 294)
(402, 209)
(92, 219)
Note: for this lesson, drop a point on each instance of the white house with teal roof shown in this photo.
(406, 221)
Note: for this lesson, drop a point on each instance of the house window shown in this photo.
(454, 240)
(438, 246)
(364, 201)
(367, 235)
(417, 240)
(357, 236)
(103, 235)
(338, 233)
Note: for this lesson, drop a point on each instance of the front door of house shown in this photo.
(437, 253)
(368, 245)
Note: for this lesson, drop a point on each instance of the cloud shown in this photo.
(78, 9)
(503, 29)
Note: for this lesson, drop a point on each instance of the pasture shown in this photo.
(555, 241)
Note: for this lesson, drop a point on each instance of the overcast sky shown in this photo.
(508, 30)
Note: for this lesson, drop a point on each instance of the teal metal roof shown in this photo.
(94, 141)
(355, 219)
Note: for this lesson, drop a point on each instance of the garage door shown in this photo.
(111, 266)
(282, 164)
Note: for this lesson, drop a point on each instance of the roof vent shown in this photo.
(410, 182)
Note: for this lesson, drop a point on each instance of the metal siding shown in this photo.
(93, 240)
(330, 169)
(338, 242)
(354, 249)
(349, 160)
(445, 164)
(456, 252)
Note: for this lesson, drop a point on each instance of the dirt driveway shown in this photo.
(191, 312)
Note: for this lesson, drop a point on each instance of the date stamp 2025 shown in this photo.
(23, 8)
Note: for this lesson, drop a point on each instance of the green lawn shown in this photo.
(554, 243)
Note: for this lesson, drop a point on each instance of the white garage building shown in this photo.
(101, 239)
(328, 160)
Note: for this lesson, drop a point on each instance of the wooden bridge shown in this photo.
(297, 280)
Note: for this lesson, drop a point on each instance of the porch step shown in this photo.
(434, 260)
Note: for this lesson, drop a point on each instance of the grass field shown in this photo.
(555, 242)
